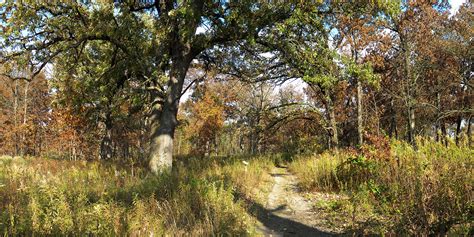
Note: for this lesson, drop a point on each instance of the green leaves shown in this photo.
(391, 7)
(363, 72)
(327, 68)
(324, 80)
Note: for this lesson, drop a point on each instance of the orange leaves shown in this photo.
(206, 120)
(67, 136)
(23, 115)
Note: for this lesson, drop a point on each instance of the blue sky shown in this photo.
(455, 5)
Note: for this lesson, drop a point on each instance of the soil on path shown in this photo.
(286, 212)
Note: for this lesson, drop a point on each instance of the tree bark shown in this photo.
(163, 120)
(24, 149)
(469, 131)
(15, 118)
(106, 143)
(334, 138)
(411, 125)
(332, 122)
(458, 129)
(409, 94)
(444, 133)
(393, 120)
(254, 141)
(438, 117)
(437, 132)
(360, 125)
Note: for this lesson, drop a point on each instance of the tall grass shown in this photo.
(424, 192)
(54, 197)
(318, 173)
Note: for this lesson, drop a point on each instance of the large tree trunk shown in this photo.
(254, 141)
(106, 146)
(163, 120)
(106, 143)
(360, 125)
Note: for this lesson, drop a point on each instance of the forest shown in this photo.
(237, 118)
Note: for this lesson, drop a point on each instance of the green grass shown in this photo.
(54, 197)
(417, 192)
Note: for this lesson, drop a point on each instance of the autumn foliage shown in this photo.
(370, 102)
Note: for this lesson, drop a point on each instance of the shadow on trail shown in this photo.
(278, 174)
(280, 226)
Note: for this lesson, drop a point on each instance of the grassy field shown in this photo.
(394, 188)
(384, 187)
(54, 197)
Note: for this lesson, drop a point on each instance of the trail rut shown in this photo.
(287, 212)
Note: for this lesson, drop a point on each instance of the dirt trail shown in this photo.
(286, 212)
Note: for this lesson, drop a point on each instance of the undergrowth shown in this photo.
(54, 197)
(427, 191)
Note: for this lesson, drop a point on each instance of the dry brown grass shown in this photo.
(54, 197)
(425, 191)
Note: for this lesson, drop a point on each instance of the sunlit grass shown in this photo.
(424, 191)
(319, 172)
(54, 197)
